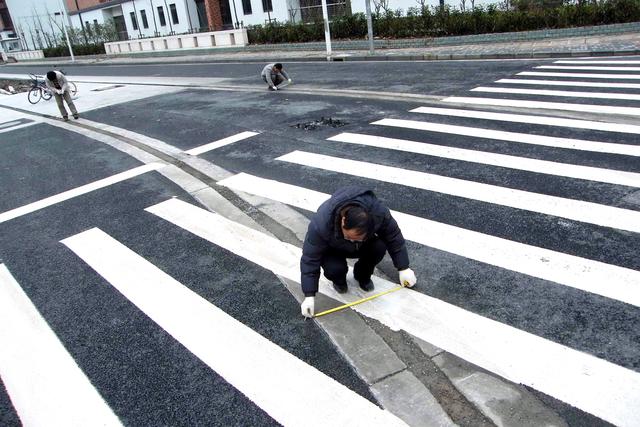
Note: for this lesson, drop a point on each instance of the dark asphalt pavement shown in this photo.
(435, 78)
(147, 377)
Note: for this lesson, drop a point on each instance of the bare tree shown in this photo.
(463, 5)
(380, 5)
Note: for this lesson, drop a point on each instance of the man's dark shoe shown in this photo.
(76, 116)
(65, 118)
(340, 287)
(367, 285)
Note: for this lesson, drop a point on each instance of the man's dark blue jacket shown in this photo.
(325, 233)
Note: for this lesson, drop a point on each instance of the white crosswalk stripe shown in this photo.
(594, 385)
(588, 173)
(569, 67)
(585, 108)
(44, 382)
(562, 93)
(536, 120)
(592, 61)
(524, 138)
(581, 75)
(285, 387)
(569, 83)
(587, 212)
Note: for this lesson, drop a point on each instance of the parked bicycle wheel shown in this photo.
(34, 95)
(73, 88)
(46, 94)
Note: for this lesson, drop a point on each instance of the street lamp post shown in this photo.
(369, 26)
(327, 30)
(64, 27)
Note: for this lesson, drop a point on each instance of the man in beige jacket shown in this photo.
(59, 87)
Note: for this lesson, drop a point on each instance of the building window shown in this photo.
(143, 15)
(246, 7)
(174, 13)
(163, 20)
(267, 6)
(134, 21)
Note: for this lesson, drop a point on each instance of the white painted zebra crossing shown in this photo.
(282, 385)
(604, 389)
(596, 386)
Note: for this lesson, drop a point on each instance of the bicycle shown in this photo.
(39, 89)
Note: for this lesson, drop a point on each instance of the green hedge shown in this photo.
(524, 15)
(81, 49)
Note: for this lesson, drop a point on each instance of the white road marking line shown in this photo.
(78, 191)
(573, 61)
(20, 126)
(45, 384)
(220, 143)
(589, 173)
(586, 108)
(581, 75)
(9, 124)
(539, 120)
(601, 388)
(592, 213)
(569, 67)
(285, 387)
(563, 93)
(611, 281)
(570, 83)
(524, 138)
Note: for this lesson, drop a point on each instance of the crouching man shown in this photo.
(351, 224)
(274, 75)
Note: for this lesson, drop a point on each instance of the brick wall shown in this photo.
(213, 14)
(83, 4)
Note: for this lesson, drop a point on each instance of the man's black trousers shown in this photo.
(334, 262)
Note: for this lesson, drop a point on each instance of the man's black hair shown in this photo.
(278, 66)
(356, 218)
(51, 75)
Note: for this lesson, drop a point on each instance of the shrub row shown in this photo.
(79, 49)
(525, 15)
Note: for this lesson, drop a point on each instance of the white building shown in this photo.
(38, 23)
(143, 18)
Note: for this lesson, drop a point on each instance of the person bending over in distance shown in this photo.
(59, 87)
(274, 75)
(351, 224)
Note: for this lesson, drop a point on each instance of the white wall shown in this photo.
(33, 17)
(185, 9)
(258, 16)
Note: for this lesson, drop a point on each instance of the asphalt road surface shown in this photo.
(519, 201)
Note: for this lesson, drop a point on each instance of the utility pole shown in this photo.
(327, 30)
(369, 26)
(63, 10)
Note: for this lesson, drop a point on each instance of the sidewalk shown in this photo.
(606, 40)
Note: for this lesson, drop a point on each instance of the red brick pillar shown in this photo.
(214, 17)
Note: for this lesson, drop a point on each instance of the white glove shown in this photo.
(275, 88)
(407, 278)
(308, 306)
(290, 81)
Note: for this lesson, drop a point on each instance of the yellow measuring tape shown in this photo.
(360, 301)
